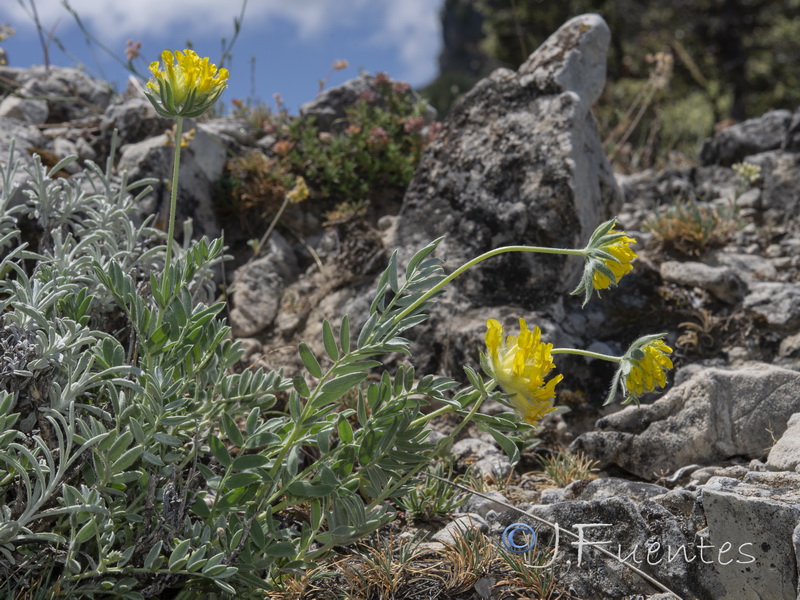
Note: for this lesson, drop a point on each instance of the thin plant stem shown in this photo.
(173, 203)
(478, 259)
(274, 222)
(588, 353)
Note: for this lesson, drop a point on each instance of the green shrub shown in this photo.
(373, 150)
(136, 462)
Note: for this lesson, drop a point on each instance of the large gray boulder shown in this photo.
(754, 535)
(729, 540)
(638, 535)
(716, 415)
(519, 161)
(733, 144)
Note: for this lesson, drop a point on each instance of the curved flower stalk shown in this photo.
(186, 87)
(520, 364)
(642, 368)
(608, 258)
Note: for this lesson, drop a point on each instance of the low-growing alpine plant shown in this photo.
(138, 461)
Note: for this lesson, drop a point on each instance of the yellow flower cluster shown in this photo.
(647, 367)
(608, 258)
(748, 172)
(621, 251)
(520, 364)
(299, 192)
(187, 86)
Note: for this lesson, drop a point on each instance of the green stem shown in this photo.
(174, 192)
(427, 417)
(431, 292)
(588, 353)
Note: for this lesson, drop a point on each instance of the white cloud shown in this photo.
(411, 26)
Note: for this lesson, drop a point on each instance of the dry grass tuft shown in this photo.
(563, 468)
(691, 227)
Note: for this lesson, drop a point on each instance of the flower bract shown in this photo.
(608, 259)
(520, 364)
(186, 86)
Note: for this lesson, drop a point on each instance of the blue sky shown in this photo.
(294, 42)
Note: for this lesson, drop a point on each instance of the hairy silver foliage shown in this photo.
(136, 461)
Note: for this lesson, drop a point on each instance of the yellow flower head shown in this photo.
(619, 265)
(187, 86)
(520, 364)
(747, 172)
(643, 368)
(608, 258)
(299, 192)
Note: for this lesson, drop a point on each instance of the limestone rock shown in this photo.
(780, 172)
(135, 120)
(720, 282)
(715, 415)
(642, 533)
(232, 128)
(259, 286)
(70, 94)
(519, 160)
(790, 346)
(778, 303)
(485, 458)
(758, 520)
(736, 142)
(748, 267)
(785, 454)
(27, 110)
(458, 527)
(610, 487)
(481, 506)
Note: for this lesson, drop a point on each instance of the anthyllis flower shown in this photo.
(299, 192)
(520, 364)
(608, 259)
(187, 86)
(643, 368)
(747, 172)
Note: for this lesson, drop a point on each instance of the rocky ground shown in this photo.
(699, 487)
